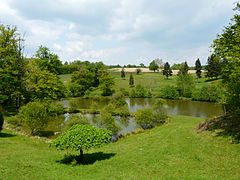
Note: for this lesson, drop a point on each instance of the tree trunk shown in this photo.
(81, 155)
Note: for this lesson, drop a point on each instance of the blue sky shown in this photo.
(119, 31)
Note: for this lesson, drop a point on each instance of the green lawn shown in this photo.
(150, 80)
(172, 151)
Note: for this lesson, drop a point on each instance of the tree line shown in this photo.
(36, 79)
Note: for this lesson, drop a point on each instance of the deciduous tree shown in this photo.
(82, 137)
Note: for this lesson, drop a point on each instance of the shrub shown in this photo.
(73, 120)
(73, 105)
(140, 92)
(148, 118)
(211, 93)
(185, 84)
(169, 92)
(15, 121)
(124, 91)
(35, 116)
(55, 108)
(107, 121)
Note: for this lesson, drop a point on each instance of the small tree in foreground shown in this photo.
(82, 137)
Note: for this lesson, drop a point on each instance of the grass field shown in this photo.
(172, 151)
(150, 80)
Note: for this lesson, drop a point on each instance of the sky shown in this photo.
(119, 31)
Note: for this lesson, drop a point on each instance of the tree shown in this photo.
(184, 68)
(153, 66)
(123, 73)
(131, 80)
(198, 68)
(167, 71)
(226, 45)
(42, 85)
(159, 62)
(142, 65)
(185, 85)
(47, 60)
(138, 70)
(83, 79)
(106, 83)
(35, 116)
(82, 137)
(213, 66)
(12, 66)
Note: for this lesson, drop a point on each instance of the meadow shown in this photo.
(151, 80)
(172, 151)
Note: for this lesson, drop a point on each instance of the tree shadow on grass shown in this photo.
(87, 158)
(6, 135)
(225, 126)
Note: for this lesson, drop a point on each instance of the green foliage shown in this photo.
(169, 92)
(35, 116)
(140, 92)
(213, 66)
(82, 137)
(118, 99)
(148, 118)
(55, 108)
(73, 120)
(158, 105)
(167, 71)
(124, 91)
(198, 68)
(15, 121)
(12, 67)
(73, 105)
(185, 84)
(153, 66)
(81, 80)
(106, 83)
(176, 66)
(43, 85)
(226, 46)
(107, 121)
(183, 69)
(211, 93)
(1, 120)
(123, 73)
(131, 80)
(47, 60)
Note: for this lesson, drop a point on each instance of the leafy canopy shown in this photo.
(82, 137)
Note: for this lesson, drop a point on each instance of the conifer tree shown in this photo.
(131, 80)
(198, 68)
(167, 71)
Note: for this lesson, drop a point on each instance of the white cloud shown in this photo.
(120, 31)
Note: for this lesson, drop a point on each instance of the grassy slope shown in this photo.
(152, 80)
(172, 151)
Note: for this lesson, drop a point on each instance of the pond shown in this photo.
(178, 107)
(125, 125)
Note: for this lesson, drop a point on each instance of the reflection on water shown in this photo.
(179, 107)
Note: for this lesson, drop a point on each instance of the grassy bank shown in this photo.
(172, 151)
(150, 80)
